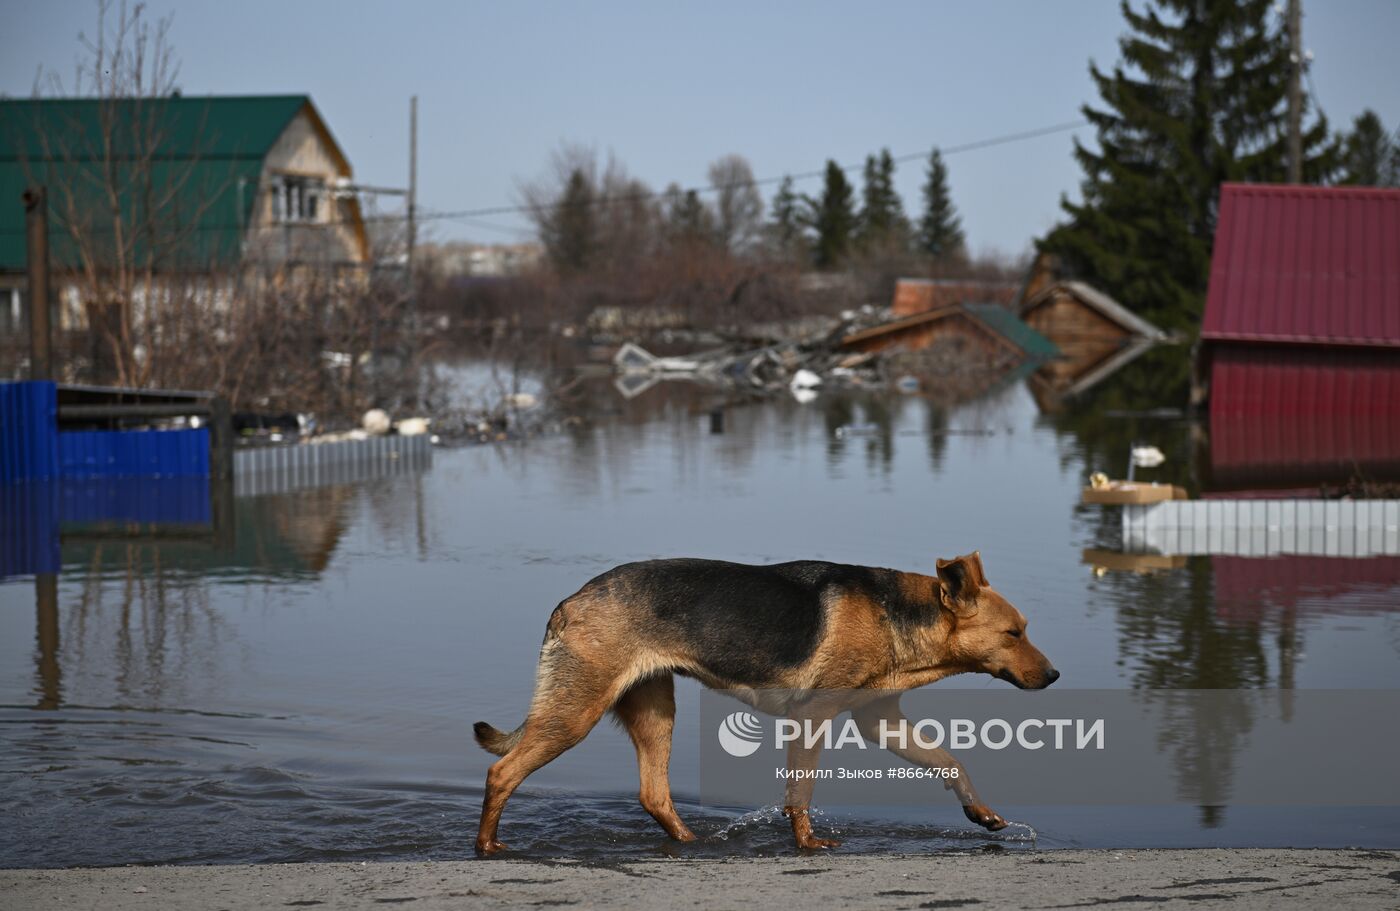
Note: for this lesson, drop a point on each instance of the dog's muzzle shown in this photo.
(1050, 677)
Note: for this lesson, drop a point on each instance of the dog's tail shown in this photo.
(494, 741)
(499, 742)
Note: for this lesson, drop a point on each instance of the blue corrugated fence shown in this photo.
(28, 431)
(33, 449)
(134, 453)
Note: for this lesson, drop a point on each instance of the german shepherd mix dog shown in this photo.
(805, 626)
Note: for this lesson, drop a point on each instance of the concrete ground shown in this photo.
(1241, 879)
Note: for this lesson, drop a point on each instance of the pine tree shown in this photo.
(940, 229)
(688, 220)
(1370, 158)
(570, 233)
(785, 226)
(1199, 98)
(833, 217)
(881, 215)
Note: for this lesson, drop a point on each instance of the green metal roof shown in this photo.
(1002, 320)
(181, 168)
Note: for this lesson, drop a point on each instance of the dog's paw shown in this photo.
(487, 848)
(984, 816)
(812, 843)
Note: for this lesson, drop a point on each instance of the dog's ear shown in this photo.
(962, 579)
(975, 558)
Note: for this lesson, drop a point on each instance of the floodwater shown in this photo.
(306, 691)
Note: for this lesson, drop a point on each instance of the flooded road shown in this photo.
(307, 691)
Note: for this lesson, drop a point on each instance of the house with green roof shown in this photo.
(174, 186)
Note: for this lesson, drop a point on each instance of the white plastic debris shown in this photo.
(413, 427)
(1147, 456)
(376, 422)
(804, 379)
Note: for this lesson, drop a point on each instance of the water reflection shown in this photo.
(317, 670)
(49, 672)
(1221, 622)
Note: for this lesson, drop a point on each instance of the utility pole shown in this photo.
(36, 225)
(412, 185)
(1295, 91)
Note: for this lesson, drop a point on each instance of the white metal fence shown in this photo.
(1250, 528)
(278, 469)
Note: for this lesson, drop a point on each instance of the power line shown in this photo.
(491, 226)
(801, 175)
(469, 216)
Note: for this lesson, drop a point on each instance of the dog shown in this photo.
(801, 627)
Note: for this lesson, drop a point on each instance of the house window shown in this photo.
(297, 199)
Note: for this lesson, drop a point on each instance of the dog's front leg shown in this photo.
(869, 719)
(802, 763)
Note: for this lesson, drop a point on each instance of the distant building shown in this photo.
(979, 332)
(1300, 344)
(450, 260)
(919, 295)
(214, 187)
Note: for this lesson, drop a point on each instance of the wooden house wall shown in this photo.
(1085, 337)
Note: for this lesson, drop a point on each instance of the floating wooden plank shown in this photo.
(1125, 493)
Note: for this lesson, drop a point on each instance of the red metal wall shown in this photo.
(1303, 414)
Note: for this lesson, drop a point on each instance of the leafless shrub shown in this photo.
(738, 205)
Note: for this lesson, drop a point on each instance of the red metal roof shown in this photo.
(1305, 264)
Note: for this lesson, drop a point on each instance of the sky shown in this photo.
(669, 87)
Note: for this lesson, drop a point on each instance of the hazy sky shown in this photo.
(668, 87)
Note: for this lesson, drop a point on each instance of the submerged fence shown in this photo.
(105, 462)
(278, 469)
(1260, 528)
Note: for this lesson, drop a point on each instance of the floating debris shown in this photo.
(1147, 456)
(412, 427)
(376, 422)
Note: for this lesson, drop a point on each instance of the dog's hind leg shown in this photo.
(564, 711)
(802, 761)
(648, 712)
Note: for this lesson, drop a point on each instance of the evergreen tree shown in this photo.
(570, 231)
(688, 219)
(832, 217)
(1199, 98)
(1370, 158)
(882, 214)
(940, 229)
(786, 226)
